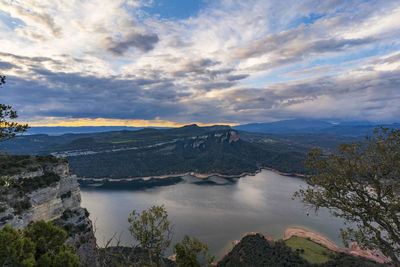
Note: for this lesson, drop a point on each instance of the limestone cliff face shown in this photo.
(228, 136)
(58, 201)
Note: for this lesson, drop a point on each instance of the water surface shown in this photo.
(218, 212)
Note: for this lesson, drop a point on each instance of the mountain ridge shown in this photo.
(357, 128)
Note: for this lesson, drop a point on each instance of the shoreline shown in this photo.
(354, 249)
(194, 174)
(320, 239)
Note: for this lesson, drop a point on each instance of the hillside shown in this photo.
(198, 150)
(155, 152)
(149, 152)
(259, 250)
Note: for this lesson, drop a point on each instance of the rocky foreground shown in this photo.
(256, 249)
(46, 190)
(320, 239)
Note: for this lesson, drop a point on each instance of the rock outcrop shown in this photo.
(49, 192)
(202, 141)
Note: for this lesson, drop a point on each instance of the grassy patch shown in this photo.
(14, 164)
(31, 184)
(123, 141)
(312, 252)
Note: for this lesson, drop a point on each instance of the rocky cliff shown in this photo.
(202, 141)
(48, 191)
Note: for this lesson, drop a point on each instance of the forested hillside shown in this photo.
(147, 152)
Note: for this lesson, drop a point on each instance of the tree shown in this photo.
(152, 230)
(8, 128)
(14, 249)
(361, 184)
(41, 244)
(50, 245)
(190, 252)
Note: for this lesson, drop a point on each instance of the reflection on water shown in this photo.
(218, 211)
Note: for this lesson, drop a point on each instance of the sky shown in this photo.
(174, 62)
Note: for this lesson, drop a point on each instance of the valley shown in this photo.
(201, 151)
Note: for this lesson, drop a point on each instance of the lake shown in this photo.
(218, 210)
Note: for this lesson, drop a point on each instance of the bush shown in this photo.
(41, 244)
(152, 230)
(32, 184)
(66, 195)
(191, 252)
(22, 205)
(14, 164)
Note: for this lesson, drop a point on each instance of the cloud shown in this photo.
(235, 61)
(6, 65)
(145, 42)
(357, 94)
(294, 46)
(232, 78)
(32, 14)
(140, 3)
(310, 71)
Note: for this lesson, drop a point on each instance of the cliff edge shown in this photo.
(42, 188)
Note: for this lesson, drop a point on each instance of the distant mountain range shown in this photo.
(220, 149)
(154, 152)
(357, 128)
(59, 130)
(354, 128)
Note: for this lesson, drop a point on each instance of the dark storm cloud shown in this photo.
(58, 94)
(49, 93)
(148, 95)
(359, 95)
(143, 41)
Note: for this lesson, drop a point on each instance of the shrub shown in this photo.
(41, 244)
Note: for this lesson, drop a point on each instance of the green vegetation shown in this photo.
(119, 256)
(211, 157)
(124, 154)
(138, 184)
(21, 202)
(14, 164)
(32, 184)
(41, 244)
(255, 250)
(66, 195)
(312, 252)
(20, 205)
(123, 141)
(190, 252)
(8, 128)
(152, 230)
(150, 152)
(27, 185)
(361, 184)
